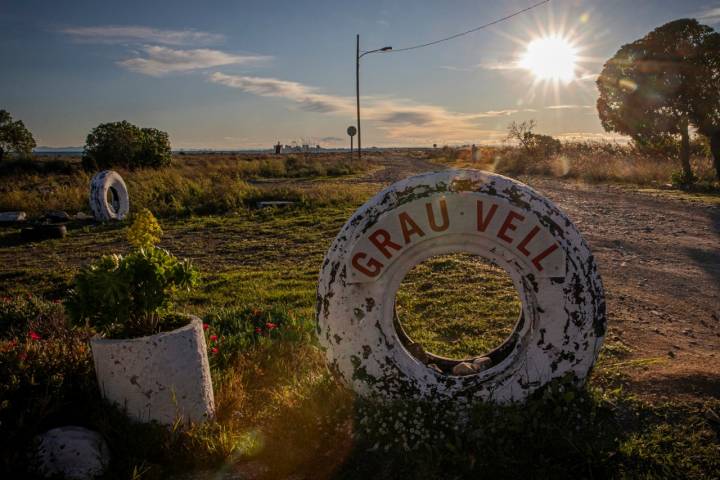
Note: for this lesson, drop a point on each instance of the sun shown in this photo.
(550, 58)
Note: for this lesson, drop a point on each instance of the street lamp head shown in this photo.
(385, 49)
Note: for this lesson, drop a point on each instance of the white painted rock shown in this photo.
(12, 216)
(160, 377)
(71, 452)
(463, 368)
(563, 321)
(481, 363)
(109, 184)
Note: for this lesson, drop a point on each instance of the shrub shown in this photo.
(46, 372)
(145, 230)
(131, 295)
(126, 145)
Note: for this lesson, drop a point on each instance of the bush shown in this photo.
(683, 179)
(46, 372)
(126, 145)
(131, 296)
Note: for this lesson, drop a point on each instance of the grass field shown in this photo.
(280, 411)
(457, 306)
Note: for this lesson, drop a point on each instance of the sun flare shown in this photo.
(550, 58)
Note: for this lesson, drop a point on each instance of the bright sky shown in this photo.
(245, 74)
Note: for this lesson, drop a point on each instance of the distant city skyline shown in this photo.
(244, 75)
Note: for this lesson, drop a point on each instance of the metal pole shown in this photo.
(357, 94)
(351, 146)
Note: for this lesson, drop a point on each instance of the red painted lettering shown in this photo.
(372, 263)
(536, 261)
(383, 244)
(522, 246)
(482, 221)
(443, 212)
(409, 227)
(508, 225)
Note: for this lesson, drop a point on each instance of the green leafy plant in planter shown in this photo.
(130, 296)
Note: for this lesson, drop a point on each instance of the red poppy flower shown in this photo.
(213, 338)
(258, 330)
(22, 356)
(270, 325)
(205, 326)
(33, 335)
(214, 350)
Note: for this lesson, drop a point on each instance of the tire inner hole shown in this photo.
(458, 309)
(113, 199)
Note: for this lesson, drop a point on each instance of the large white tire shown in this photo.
(563, 320)
(103, 210)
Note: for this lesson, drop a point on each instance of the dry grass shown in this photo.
(194, 184)
(588, 161)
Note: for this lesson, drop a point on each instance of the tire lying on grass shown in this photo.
(42, 232)
(562, 324)
(109, 196)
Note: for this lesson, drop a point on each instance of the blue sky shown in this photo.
(244, 74)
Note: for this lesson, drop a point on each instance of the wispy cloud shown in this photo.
(568, 107)
(711, 15)
(158, 61)
(141, 34)
(306, 97)
(499, 65)
(400, 119)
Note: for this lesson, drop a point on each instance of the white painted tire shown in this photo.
(563, 319)
(102, 183)
(159, 377)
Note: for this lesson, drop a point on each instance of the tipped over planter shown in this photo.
(160, 377)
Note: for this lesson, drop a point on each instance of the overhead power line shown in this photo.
(472, 30)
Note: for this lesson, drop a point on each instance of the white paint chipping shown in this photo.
(563, 320)
(103, 210)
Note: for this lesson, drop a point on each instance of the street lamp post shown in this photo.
(358, 56)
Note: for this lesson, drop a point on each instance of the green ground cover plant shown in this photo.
(279, 406)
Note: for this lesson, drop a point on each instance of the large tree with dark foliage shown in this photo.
(662, 85)
(126, 145)
(14, 136)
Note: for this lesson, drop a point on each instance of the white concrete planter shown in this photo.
(160, 377)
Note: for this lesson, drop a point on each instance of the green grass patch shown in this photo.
(458, 306)
(278, 405)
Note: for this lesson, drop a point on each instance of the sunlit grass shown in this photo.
(457, 306)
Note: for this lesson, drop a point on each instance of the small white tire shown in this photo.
(109, 184)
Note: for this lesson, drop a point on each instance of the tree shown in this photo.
(705, 114)
(155, 148)
(653, 88)
(533, 143)
(14, 136)
(124, 144)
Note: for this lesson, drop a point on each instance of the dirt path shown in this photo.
(660, 263)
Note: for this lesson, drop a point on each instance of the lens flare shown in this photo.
(551, 58)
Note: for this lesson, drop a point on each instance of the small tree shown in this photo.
(661, 85)
(533, 143)
(124, 144)
(14, 136)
